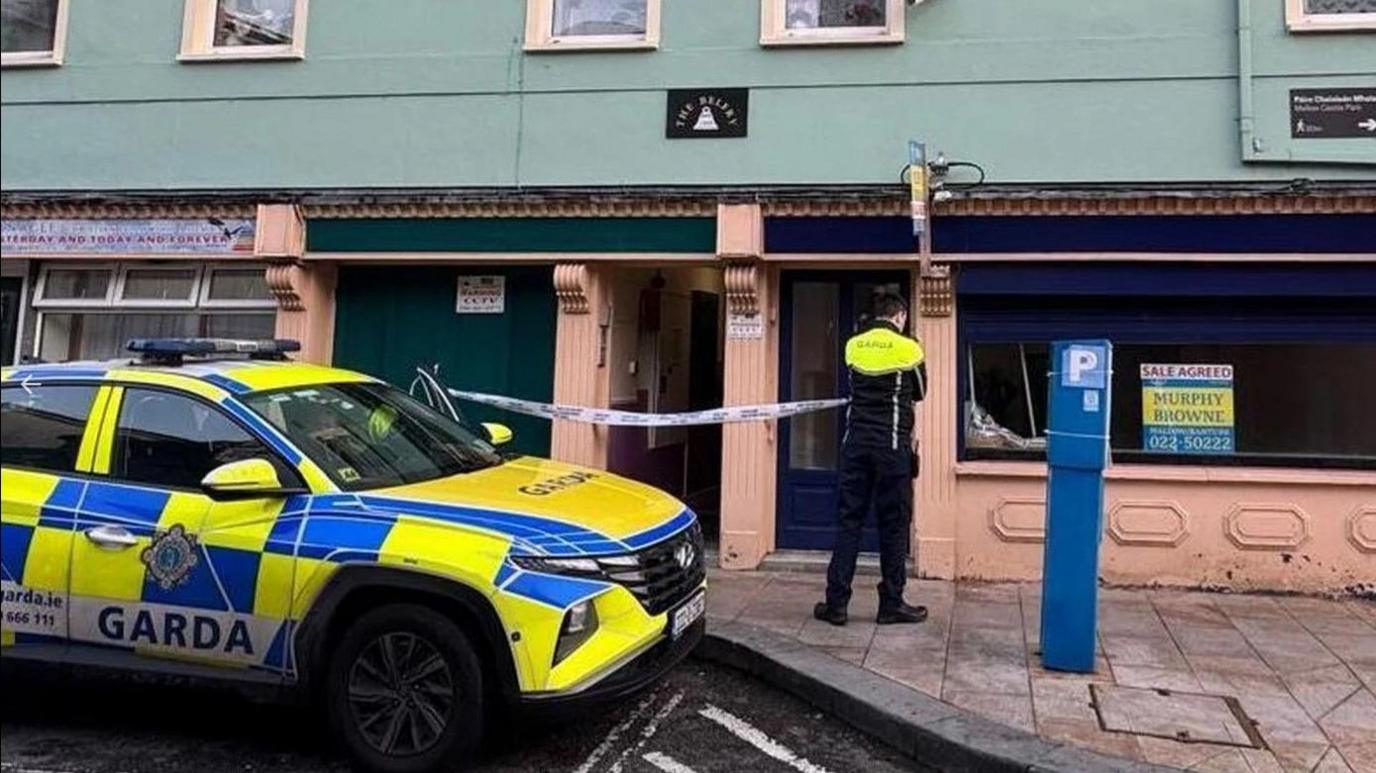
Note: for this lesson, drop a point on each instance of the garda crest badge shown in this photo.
(171, 557)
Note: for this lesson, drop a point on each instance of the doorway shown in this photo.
(392, 319)
(665, 355)
(819, 311)
(702, 491)
(11, 298)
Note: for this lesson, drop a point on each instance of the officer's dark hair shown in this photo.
(887, 305)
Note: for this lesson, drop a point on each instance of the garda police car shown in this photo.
(311, 528)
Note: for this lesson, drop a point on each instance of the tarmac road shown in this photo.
(702, 718)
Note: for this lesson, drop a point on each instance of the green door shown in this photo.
(389, 319)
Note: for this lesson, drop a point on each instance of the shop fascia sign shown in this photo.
(208, 236)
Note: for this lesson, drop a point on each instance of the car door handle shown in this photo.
(111, 537)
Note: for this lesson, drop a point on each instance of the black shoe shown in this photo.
(903, 613)
(828, 614)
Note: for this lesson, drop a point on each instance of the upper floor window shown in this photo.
(821, 22)
(243, 29)
(1330, 15)
(32, 32)
(553, 25)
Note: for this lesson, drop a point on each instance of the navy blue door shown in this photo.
(819, 311)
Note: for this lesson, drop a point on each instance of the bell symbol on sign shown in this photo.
(706, 121)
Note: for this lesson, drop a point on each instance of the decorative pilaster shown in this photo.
(938, 422)
(749, 450)
(282, 279)
(305, 306)
(740, 231)
(304, 291)
(571, 287)
(742, 288)
(936, 292)
(581, 376)
(279, 232)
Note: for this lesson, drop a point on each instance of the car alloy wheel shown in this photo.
(401, 694)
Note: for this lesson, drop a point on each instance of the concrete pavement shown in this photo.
(1291, 679)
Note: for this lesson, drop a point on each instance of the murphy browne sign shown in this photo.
(1188, 409)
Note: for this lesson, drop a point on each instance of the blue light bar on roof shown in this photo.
(204, 346)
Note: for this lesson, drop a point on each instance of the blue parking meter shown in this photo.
(1077, 453)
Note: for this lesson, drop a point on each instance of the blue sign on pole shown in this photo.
(1077, 453)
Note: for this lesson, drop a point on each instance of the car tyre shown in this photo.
(404, 691)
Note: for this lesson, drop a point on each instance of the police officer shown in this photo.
(878, 463)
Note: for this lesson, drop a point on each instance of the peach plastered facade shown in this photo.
(1246, 528)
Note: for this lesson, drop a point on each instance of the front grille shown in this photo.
(654, 575)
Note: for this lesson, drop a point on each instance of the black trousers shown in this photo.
(882, 478)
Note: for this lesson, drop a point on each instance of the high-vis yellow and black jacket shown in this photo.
(887, 375)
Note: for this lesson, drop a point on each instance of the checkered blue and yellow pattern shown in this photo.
(257, 566)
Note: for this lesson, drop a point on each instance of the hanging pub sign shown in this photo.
(1187, 409)
(1336, 113)
(209, 236)
(704, 113)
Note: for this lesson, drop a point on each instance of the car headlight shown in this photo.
(580, 623)
(574, 566)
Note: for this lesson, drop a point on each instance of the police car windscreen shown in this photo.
(371, 435)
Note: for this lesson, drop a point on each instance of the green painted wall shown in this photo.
(391, 319)
(439, 93)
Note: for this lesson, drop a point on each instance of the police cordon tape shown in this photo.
(614, 418)
(438, 396)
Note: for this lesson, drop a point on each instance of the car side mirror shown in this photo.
(498, 434)
(245, 479)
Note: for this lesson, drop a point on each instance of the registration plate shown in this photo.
(687, 614)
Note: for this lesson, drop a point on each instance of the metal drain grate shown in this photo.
(1179, 716)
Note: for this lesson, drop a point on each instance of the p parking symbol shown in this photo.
(1083, 367)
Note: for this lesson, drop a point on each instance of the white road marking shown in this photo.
(648, 732)
(666, 763)
(757, 738)
(614, 734)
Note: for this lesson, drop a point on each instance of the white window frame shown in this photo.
(1299, 20)
(50, 58)
(540, 32)
(205, 301)
(41, 319)
(41, 301)
(775, 32)
(198, 301)
(189, 302)
(198, 37)
(114, 299)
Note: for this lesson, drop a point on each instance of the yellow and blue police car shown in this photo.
(321, 533)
